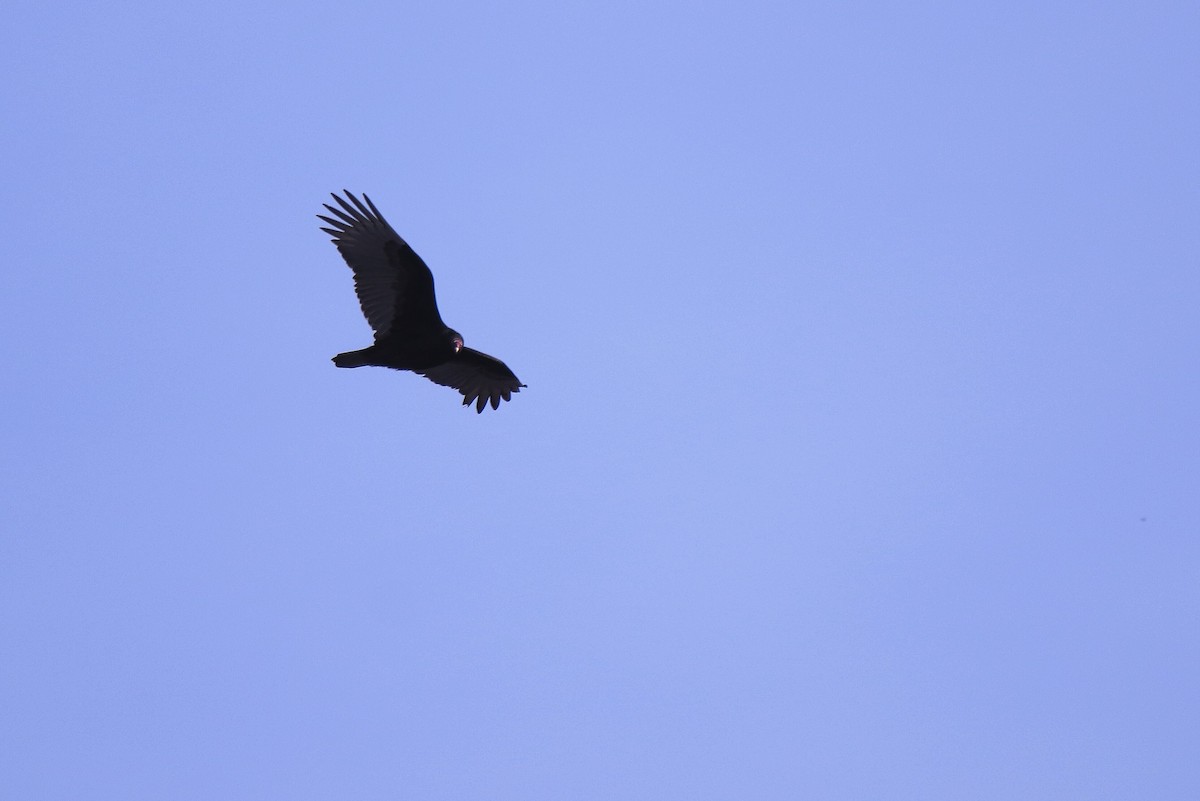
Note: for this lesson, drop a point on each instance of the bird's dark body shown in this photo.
(395, 289)
(400, 354)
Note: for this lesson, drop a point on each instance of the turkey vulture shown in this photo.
(395, 290)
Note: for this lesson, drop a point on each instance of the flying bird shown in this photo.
(395, 290)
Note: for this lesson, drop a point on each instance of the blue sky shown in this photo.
(859, 455)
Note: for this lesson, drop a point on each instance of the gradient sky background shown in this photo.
(860, 457)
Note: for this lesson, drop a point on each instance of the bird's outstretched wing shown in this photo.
(479, 377)
(393, 284)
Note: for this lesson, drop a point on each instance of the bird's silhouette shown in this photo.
(395, 290)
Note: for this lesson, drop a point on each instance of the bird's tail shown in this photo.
(354, 358)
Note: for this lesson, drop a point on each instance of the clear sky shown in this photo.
(859, 459)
